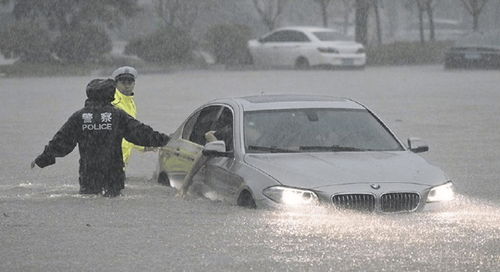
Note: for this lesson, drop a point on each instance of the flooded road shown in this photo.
(46, 226)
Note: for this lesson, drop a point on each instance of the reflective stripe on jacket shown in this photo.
(127, 104)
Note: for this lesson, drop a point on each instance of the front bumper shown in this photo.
(394, 199)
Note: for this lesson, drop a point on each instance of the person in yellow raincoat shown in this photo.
(124, 99)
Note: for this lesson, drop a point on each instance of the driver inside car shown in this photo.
(225, 133)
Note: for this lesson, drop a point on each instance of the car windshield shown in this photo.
(330, 36)
(315, 130)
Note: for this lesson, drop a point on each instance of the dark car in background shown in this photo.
(476, 50)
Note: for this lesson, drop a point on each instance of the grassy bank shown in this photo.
(103, 70)
(398, 53)
(28, 69)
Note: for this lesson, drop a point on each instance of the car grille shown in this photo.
(392, 202)
(398, 202)
(363, 202)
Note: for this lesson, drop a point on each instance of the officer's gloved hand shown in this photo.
(33, 164)
(210, 137)
(150, 149)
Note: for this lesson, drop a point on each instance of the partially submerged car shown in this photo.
(292, 150)
(476, 50)
(303, 47)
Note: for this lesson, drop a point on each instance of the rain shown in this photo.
(46, 225)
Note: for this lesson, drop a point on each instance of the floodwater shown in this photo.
(46, 226)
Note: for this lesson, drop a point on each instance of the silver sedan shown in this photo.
(289, 151)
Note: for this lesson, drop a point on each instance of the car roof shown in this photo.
(273, 102)
(307, 28)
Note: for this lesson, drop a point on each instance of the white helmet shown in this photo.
(128, 70)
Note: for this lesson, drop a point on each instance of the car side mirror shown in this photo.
(416, 145)
(216, 149)
(260, 40)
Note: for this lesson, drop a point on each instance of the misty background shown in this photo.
(83, 36)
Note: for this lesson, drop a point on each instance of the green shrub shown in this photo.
(26, 41)
(167, 45)
(84, 44)
(228, 43)
(403, 53)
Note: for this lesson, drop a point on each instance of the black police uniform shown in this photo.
(98, 129)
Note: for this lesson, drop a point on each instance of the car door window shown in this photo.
(278, 36)
(271, 38)
(224, 128)
(286, 36)
(296, 36)
(204, 122)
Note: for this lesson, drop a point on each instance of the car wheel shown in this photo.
(163, 179)
(302, 64)
(246, 200)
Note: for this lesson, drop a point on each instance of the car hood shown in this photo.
(315, 170)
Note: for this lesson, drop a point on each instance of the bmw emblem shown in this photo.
(375, 186)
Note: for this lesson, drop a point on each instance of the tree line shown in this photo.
(271, 10)
(73, 31)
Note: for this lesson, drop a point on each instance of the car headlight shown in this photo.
(361, 51)
(291, 196)
(441, 193)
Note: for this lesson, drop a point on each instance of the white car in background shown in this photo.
(302, 47)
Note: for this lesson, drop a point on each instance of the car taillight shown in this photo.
(328, 50)
(361, 51)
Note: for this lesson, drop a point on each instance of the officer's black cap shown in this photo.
(101, 90)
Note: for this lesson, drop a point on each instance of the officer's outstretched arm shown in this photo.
(61, 144)
(142, 134)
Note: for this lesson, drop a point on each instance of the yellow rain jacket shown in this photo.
(127, 104)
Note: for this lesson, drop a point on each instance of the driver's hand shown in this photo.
(181, 193)
(210, 137)
(150, 148)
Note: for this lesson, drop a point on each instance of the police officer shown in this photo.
(124, 99)
(98, 129)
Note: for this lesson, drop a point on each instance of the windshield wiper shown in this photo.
(271, 149)
(333, 148)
